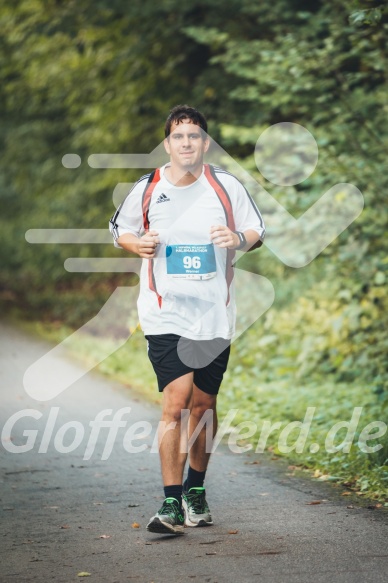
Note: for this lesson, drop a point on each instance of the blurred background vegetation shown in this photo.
(101, 75)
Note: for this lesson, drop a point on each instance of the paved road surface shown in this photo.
(62, 514)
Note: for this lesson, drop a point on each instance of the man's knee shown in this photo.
(203, 404)
(176, 407)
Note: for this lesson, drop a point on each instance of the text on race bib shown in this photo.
(191, 261)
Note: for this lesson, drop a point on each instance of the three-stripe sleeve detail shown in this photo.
(114, 228)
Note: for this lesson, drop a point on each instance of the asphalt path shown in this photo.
(64, 513)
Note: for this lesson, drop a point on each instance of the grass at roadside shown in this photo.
(333, 408)
(127, 364)
(260, 405)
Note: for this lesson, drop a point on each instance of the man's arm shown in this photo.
(253, 240)
(144, 246)
(126, 224)
(223, 237)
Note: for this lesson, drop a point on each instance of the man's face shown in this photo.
(185, 145)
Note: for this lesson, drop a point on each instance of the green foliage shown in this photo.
(370, 15)
(100, 76)
(317, 68)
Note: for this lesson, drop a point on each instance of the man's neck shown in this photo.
(182, 176)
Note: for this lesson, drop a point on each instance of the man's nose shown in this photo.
(186, 141)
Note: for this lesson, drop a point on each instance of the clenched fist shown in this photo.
(146, 245)
(222, 236)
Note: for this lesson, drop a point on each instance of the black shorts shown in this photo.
(173, 356)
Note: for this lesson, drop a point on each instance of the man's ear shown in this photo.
(166, 143)
(206, 144)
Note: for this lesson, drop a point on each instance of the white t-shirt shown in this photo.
(184, 289)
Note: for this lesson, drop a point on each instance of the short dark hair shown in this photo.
(181, 112)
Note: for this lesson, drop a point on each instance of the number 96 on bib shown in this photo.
(191, 261)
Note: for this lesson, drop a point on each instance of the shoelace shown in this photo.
(169, 508)
(197, 501)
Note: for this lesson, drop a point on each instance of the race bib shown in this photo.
(191, 261)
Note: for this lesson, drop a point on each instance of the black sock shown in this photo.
(174, 491)
(194, 479)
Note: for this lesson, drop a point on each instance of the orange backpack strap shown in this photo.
(224, 199)
(146, 201)
(147, 194)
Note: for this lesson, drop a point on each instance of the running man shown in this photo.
(186, 220)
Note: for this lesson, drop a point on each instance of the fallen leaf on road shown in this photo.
(346, 494)
(135, 525)
(350, 506)
(64, 526)
(83, 574)
(211, 553)
(313, 502)
(252, 463)
(233, 532)
(132, 505)
(105, 536)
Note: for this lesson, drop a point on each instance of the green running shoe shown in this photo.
(196, 509)
(169, 519)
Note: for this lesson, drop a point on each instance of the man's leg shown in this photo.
(177, 395)
(202, 426)
(202, 403)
